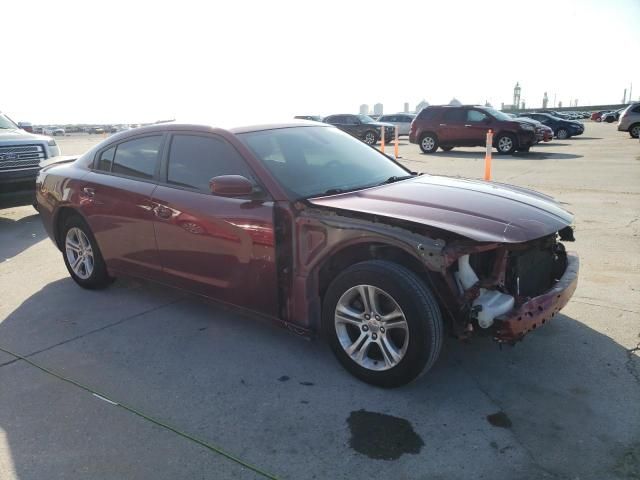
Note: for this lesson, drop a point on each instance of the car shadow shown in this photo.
(18, 232)
(563, 401)
(531, 155)
(580, 137)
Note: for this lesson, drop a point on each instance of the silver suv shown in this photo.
(20, 155)
(630, 120)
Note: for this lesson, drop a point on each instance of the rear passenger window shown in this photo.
(106, 159)
(454, 115)
(194, 160)
(137, 158)
(427, 114)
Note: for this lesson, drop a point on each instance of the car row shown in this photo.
(308, 226)
(562, 129)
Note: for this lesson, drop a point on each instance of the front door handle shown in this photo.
(468, 125)
(89, 192)
(443, 124)
(161, 211)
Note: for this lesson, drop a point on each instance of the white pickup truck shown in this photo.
(20, 155)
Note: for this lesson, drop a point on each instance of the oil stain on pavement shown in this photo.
(499, 419)
(382, 437)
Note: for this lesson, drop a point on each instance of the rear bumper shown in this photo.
(539, 310)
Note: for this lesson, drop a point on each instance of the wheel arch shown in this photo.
(333, 264)
(61, 216)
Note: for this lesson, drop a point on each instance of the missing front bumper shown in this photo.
(541, 309)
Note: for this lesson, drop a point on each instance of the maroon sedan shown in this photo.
(308, 226)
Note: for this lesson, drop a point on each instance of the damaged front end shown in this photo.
(511, 289)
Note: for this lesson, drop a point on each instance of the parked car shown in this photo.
(96, 130)
(20, 155)
(613, 116)
(363, 127)
(562, 129)
(467, 125)
(58, 131)
(401, 120)
(310, 227)
(315, 118)
(630, 120)
(543, 133)
(597, 116)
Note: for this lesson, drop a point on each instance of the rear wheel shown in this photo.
(505, 144)
(634, 130)
(383, 323)
(82, 255)
(428, 143)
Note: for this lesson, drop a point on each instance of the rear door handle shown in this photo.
(443, 124)
(468, 125)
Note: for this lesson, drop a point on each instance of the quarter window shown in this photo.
(137, 158)
(195, 159)
(106, 159)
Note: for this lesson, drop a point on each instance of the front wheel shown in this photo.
(505, 144)
(370, 138)
(82, 256)
(383, 323)
(562, 134)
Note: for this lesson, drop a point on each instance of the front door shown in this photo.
(221, 247)
(115, 198)
(476, 126)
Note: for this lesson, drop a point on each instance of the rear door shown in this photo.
(221, 247)
(451, 130)
(115, 198)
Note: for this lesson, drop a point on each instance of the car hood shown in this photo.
(482, 211)
(19, 134)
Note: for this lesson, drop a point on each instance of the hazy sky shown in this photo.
(236, 62)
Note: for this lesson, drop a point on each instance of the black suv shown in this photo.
(363, 127)
(449, 126)
(561, 128)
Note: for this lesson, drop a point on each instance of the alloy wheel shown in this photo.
(371, 327)
(79, 253)
(428, 143)
(635, 131)
(505, 144)
(369, 138)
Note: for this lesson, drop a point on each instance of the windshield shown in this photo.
(497, 115)
(366, 119)
(6, 123)
(312, 161)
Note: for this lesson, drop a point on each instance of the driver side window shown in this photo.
(196, 159)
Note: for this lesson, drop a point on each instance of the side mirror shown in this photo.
(230, 186)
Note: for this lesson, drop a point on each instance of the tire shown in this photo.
(447, 149)
(562, 134)
(417, 334)
(634, 130)
(506, 144)
(370, 137)
(90, 272)
(428, 143)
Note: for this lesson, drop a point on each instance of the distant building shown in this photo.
(364, 109)
(516, 95)
(545, 100)
(421, 105)
(560, 104)
(523, 107)
(455, 102)
(406, 107)
(487, 104)
(377, 109)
